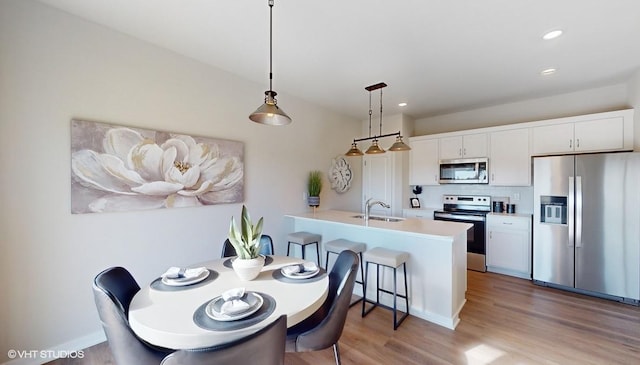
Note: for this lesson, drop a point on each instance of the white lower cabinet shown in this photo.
(425, 213)
(509, 244)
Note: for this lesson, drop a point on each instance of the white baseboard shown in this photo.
(68, 349)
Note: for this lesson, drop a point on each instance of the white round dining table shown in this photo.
(165, 318)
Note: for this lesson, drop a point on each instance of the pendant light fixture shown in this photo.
(269, 113)
(399, 145)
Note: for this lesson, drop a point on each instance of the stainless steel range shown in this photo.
(469, 209)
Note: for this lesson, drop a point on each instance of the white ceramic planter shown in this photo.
(248, 269)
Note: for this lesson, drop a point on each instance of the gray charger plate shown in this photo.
(201, 318)
(157, 284)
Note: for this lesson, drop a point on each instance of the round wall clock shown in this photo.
(340, 174)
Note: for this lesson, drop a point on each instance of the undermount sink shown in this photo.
(376, 218)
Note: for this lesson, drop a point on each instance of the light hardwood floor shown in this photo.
(505, 321)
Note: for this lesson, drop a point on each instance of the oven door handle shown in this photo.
(473, 218)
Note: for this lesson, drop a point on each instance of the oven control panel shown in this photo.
(481, 200)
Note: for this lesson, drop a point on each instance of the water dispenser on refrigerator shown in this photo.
(553, 209)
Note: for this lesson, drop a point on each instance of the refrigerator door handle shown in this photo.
(570, 210)
(578, 211)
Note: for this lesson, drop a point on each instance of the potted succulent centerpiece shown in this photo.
(314, 186)
(246, 242)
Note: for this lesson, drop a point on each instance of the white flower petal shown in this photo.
(203, 154)
(103, 172)
(187, 140)
(168, 160)
(178, 201)
(147, 160)
(121, 203)
(225, 173)
(158, 188)
(220, 197)
(191, 176)
(206, 186)
(173, 175)
(119, 141)
(182, 149)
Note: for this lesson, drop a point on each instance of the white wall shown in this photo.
(55, 67)
(595, 100)
(634, 101)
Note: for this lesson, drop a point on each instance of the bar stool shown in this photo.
(392, 259)
(339, 245)
(303, 239)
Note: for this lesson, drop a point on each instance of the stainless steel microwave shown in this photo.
(464, 171)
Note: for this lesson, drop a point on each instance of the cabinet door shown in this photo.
(450, 148)
(508, 249)
(474, 145)
(557, 138)
(600, 135)
(423, 162)
(509, 245)
(509, 158)
(377, 180)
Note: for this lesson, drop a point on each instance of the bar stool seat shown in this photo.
(339, 245)
(393, 259)
(303, 239)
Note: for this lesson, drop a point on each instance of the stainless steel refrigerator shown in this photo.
(586, 233)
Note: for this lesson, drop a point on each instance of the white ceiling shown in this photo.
(439, 56)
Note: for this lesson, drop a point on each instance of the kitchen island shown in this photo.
(436, 270)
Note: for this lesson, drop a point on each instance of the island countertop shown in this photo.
(428, 227)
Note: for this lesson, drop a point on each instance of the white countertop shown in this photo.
(407, 225)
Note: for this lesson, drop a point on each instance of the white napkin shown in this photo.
(233, 302)
(177, 273)
(308, 266)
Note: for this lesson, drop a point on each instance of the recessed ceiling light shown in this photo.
(402, 104)
(548, 71)
(552, 34)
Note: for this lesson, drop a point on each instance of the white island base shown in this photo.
(436, 270)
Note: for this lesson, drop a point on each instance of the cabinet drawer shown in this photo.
(506, 221)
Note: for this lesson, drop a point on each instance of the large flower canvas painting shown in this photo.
(116, 168)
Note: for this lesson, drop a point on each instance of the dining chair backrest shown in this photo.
(113, 290)
(327, 331)
(265, 347)
(266, 247)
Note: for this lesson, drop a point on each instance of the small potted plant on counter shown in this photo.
(314, 186)
(246, 242)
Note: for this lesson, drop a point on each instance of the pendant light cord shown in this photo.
(370, 112)
(270, 44)
(380, 112)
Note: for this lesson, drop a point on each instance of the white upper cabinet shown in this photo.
(424, 165)
(611, 131)
(509, 158)
(465, 146)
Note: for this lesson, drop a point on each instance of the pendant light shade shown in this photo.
(399, 145)
(354, 150)
(269, 113)
(374, 149)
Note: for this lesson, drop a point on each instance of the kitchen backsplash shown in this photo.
(522, 197)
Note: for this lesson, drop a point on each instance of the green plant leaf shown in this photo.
(246, 239)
